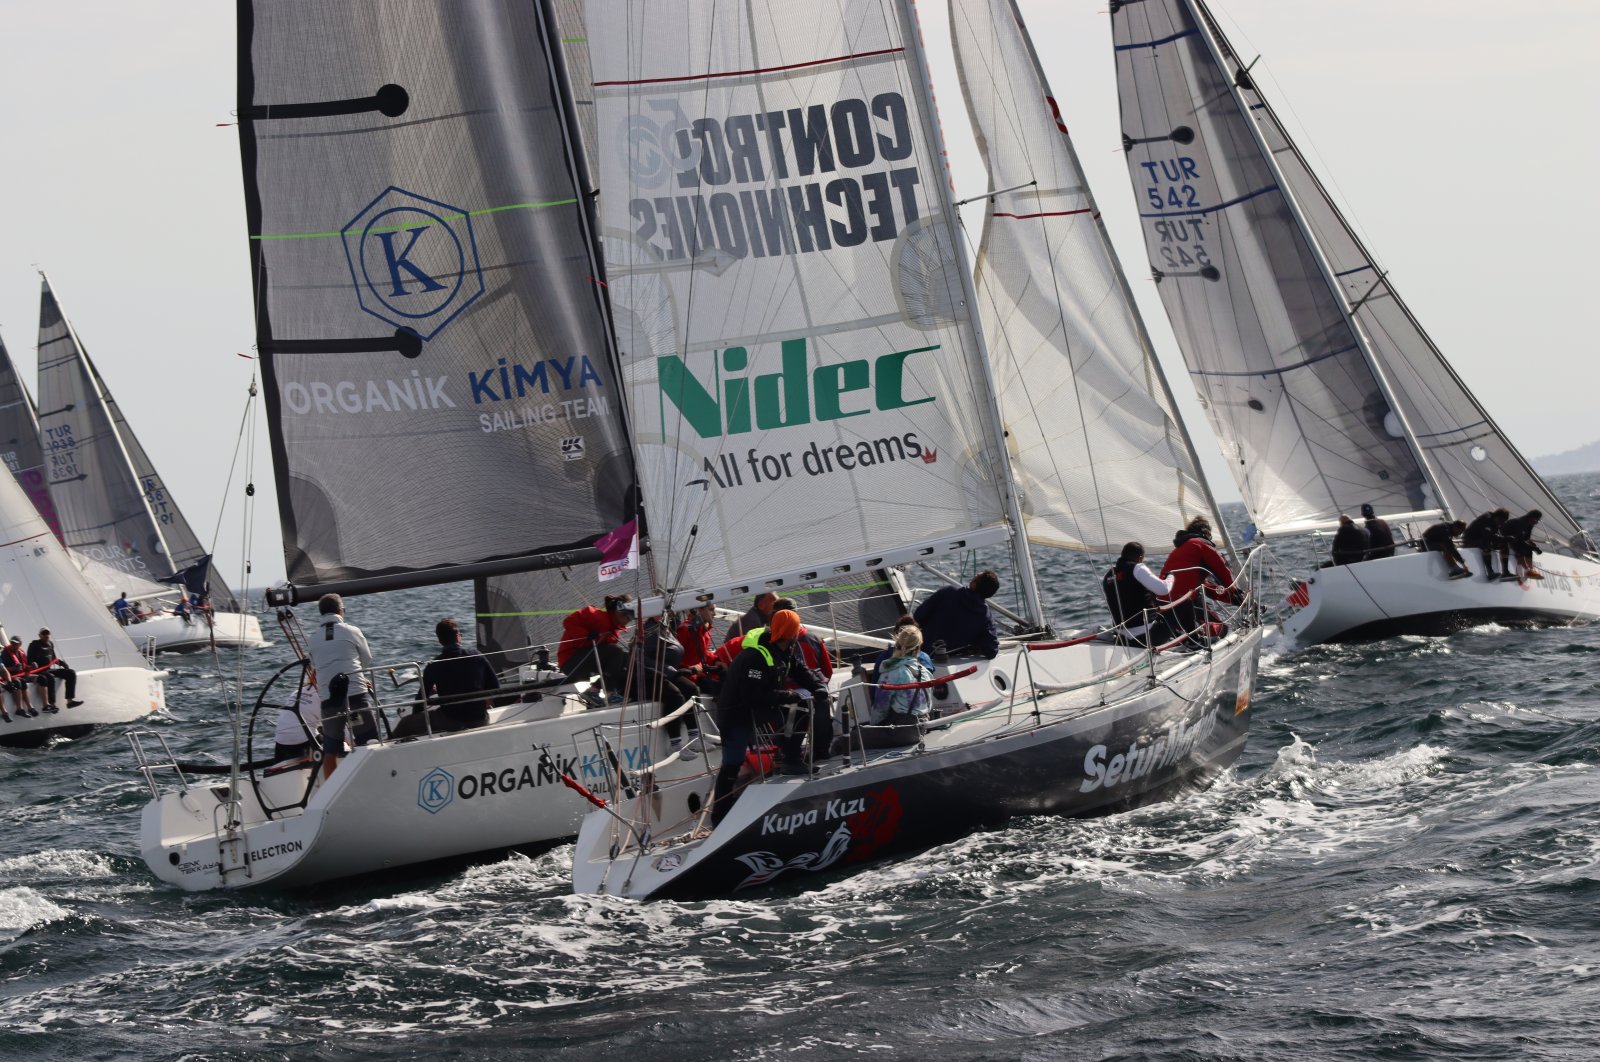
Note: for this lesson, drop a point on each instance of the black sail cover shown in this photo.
(19, 441)
(1300, 413)
(430, 320)
(112, 504)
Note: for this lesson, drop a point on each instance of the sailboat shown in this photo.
(40, 587)
(444, 405)
(1323, 388)
(820, 384)
(111, 506)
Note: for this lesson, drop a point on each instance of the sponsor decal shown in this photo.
(871, 821)
(764, 866)
(261, 855)
(436, 790)
(507, 781)
(1170, 747)
(393, 394)
(413, 260)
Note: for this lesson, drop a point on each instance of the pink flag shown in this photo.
(619, 551)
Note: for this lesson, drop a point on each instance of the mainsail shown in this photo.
(1095, 443)
(1306, 423)
(114, 508)
(807, 392)
(430, 318)
(19, 434)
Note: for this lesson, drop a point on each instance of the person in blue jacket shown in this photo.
(960, 618)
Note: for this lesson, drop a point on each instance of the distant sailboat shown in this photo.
(1323, 388)
(112, 507)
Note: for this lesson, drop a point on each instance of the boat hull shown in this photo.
(1146, 744)
(395, 804)
(171, 634)
(1411, 593)
(110, 695)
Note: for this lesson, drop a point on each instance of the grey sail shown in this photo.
(1302, 416)
(432, 330)
(1110, 462)
(109, 512)
(1477, 466)
(19, 437)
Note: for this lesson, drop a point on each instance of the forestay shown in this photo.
(429, 317)
(1477, 466)
(1300, 412)
(805, 385)
(1096, 447)
(19, 433)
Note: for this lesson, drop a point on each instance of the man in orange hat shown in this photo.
(753, 695)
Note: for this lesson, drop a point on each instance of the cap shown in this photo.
(784, 624)
(44, 630)
(1367, 510)
(16, 639)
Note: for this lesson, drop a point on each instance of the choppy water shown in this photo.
(1404, 863)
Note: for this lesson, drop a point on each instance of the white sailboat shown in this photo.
(443, 404)
(1324, 390)
(812, 393)
(40, 587)
(111, 506)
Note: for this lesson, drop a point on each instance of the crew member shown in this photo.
(664, 677)
(123, 609)
(15, 659)
(958, 619)
(1483, 535)
(591, 642)
(812, 648)
(754, 695)
(1195, 563)
(47, 667)
(759, 615)
(1440, 538)
(1350, 542)
(1131, 590)
(452, 678)
(1517, 534)
(342, 660)
(1381, 538)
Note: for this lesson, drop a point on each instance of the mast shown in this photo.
(911, 33)
(1210, 32)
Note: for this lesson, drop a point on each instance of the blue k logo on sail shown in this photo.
(413, 260)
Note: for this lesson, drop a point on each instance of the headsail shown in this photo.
(806, 388)
(1302, 415)
(429, 314)
(1479, 467)
(19, 435)
(1095, 442)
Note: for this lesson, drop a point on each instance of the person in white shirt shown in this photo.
(339, 655)
(1131, 592)
(292, 737)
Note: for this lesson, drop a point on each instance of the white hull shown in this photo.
(1410, 593)
(109, 695)
(398, 803)
(1085, 747)
(171, 633)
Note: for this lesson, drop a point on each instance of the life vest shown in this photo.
(1126, 597)
(752, 640)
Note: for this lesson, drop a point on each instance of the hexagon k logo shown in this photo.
(437, 789)
(414, 260)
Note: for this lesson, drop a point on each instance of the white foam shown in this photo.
(21, 909)
(56, 864)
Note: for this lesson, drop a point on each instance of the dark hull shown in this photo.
(33, 739)
(1433, 624)
(838, 823)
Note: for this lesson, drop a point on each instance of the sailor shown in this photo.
(922, 655)
(47, 667)
(1483, 534)
(123, 609)
(591, 642)
(1131, 590)
(341, 658)
(958, 619)
(1382, 539)
(451, 678)
(1350, 542)
(291, 737)
(1195, 563)
(1440, 538)
(812, 648)
(905, 667)
(15, 660)
(663, 677)
(182, 609)
(754, 695)
(760, 615)
(1517, 534)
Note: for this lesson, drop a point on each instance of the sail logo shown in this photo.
(413, 260)
(436, 790)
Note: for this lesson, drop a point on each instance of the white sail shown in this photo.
(41, 587)
(1095, 442)
(1302, 416)
(805, 386)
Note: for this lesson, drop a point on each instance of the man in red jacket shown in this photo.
(1193, 563)
(591, 642)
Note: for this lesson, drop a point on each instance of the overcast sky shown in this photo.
(1460, 135)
